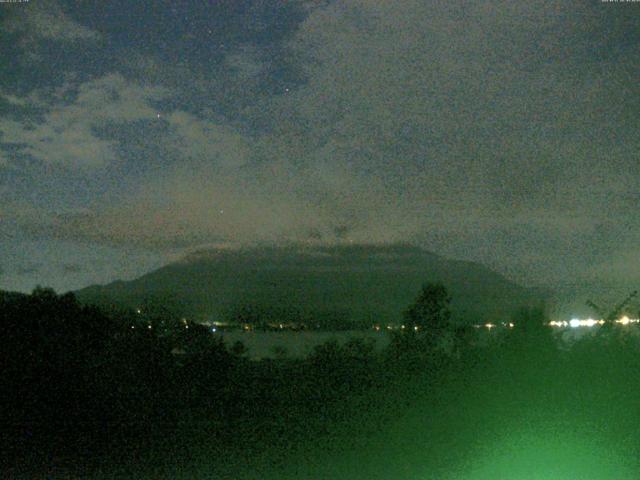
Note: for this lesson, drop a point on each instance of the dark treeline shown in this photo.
(88, 391)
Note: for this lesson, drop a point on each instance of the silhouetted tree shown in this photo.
(345, 368)
(430, 314)
(238, 348)
(531, 323)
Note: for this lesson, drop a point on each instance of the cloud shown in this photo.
(45, 20)
(28, 269)
(471, 119)
(484, 131)
(71, 268)
(67, 135)
(245, 63)
(202, 140)
(195, 212)
(13, 100)
(437, 91)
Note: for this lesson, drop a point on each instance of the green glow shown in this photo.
(548, 455)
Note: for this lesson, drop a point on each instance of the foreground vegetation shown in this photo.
(90, 397)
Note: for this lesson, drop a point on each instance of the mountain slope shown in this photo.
(363, 284)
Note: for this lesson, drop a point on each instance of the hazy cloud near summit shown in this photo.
(502, 132)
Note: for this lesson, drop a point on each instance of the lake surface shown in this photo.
(295, 344)
(298, 344)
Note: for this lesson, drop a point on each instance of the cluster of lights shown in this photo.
(626, 320)
(590, 322)
(575, 323)
(377, 328)
(490, 326)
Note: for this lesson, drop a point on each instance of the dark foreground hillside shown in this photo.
(90, 397)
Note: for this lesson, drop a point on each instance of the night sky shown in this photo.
(501, 132)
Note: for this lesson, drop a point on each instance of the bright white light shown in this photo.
(576, 322)
(624, 320)
(214, 330)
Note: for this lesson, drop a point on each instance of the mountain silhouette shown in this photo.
(358, 284)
